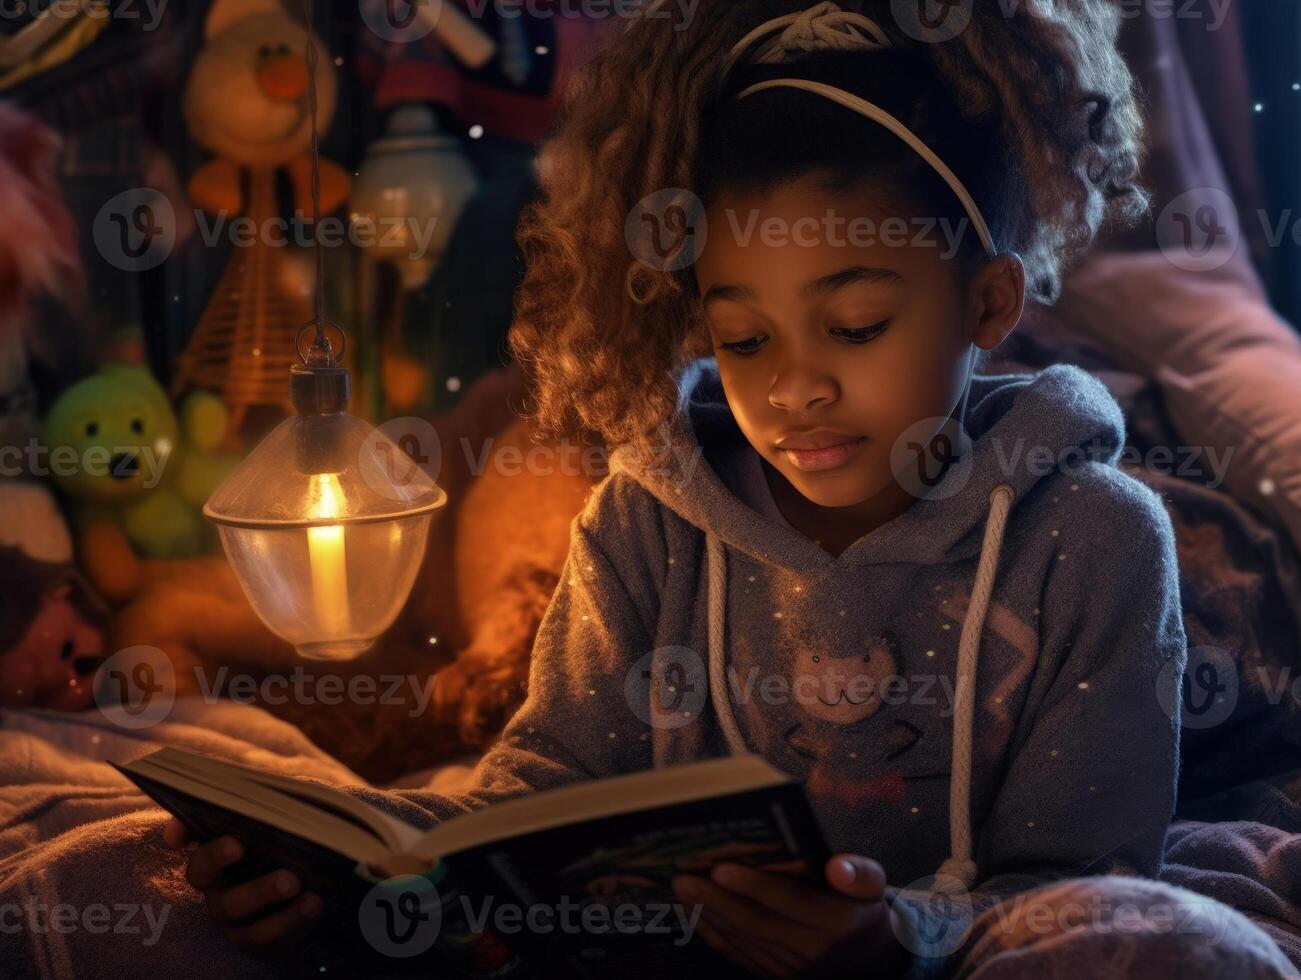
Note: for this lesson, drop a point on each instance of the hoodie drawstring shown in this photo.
(958, 872)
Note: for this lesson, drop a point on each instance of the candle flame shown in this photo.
(327, 497)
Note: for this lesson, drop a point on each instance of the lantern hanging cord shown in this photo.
(321, 345)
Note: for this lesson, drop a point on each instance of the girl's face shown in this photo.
(837, 331)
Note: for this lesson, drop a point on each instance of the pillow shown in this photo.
(1228, 366)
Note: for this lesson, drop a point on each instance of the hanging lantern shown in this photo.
(326, 543)
(325, 522)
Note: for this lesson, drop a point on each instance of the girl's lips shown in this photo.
(811, 460)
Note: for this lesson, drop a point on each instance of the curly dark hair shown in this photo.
(1034, 109)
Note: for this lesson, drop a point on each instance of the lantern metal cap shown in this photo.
(272, 488)
(319, 390)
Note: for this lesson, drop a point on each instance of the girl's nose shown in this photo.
(283, 78)
(798, 388)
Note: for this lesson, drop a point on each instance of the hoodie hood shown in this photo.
(1021, 428)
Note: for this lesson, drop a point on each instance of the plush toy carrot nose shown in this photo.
(284, 77)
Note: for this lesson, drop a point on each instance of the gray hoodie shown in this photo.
(688, 624)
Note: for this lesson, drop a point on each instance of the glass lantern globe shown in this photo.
(325, 523)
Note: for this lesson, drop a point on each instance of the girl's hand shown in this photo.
(778, 926)
(258, 916)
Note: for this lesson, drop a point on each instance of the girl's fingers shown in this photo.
(209, 860)
(175, 834)
(856, 877)
(297, 916)
(742, 915)
(777, 960)
(246, 900)
(794, 866)
(790, 898)
(732, 948)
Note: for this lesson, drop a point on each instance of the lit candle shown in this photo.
(329, 562)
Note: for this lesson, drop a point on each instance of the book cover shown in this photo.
(595, 899)
(588, 898)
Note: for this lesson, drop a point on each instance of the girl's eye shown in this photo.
(860, 335)
(748, 346)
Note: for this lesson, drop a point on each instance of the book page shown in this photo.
(396, 835)
(592, 799)
(266, 805)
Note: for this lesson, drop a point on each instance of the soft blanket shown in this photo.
(89, 890)
(87, 887)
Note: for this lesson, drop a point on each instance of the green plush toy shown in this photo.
(119, 453)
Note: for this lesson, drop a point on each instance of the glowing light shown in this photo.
(329, 561)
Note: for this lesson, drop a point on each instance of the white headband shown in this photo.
(825, 27)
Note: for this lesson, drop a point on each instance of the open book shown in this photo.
(614, 843)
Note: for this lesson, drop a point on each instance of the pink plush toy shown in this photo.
(51, 642)
(38, 255)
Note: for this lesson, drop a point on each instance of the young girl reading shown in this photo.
(927, 592)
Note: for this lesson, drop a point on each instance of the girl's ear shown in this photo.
(997, 298)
